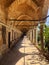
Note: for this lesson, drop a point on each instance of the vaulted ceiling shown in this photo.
(24, 10)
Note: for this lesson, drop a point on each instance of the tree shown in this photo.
(46, 34)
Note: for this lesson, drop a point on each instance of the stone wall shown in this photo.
(5, 29)
(14, 37)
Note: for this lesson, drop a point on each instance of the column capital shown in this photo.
(35, 27)
(42, 23)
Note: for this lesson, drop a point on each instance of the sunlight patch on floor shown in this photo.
(32, 56)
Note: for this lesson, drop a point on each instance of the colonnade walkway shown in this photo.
(24, 53)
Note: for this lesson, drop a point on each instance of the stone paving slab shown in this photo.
(33, 57)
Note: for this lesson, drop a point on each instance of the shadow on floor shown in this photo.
(13, 56)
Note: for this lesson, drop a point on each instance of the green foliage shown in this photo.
(46, 34)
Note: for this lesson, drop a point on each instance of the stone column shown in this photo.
(31, 35)
(41, 36)
(36, 36)
(28, 35)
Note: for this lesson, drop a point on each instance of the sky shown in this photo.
(47, 21)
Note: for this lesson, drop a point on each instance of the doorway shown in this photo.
(8, 39)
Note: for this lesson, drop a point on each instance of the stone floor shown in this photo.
(24, 53)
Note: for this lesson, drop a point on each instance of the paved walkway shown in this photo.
(25, 53)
